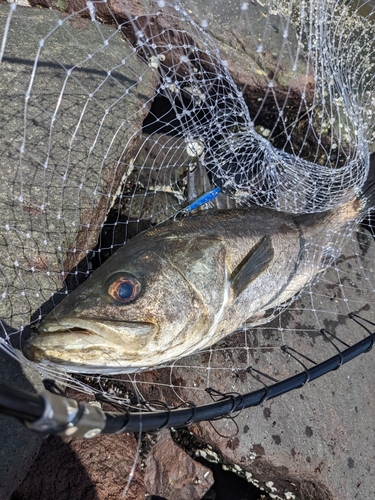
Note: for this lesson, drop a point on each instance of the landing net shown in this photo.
(110, 114)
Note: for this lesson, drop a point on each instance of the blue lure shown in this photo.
(203, 199)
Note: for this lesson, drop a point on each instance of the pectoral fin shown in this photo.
(255, 264)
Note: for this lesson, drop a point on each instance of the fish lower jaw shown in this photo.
(84, 360)
(111, 330)
(83, 369)
(83, 351)
(89, 359)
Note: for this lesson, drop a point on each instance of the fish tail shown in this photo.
(367, 191)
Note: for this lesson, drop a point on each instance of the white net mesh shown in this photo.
(117, 117)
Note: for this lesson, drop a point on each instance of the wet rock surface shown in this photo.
(171, 473)
(228, 26)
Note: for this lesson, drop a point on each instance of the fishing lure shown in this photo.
(202, 200)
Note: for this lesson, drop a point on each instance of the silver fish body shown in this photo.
(183, 286)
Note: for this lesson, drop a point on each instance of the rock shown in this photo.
(56, 190)
(96, 469)
(282, 60)
(63, 157)
(100, 468)
(229, 27)
(171, 473)
(18, 444)
(238, 45)
(313, 442)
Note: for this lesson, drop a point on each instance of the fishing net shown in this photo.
(118, 115)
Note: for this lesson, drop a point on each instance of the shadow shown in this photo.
(18, 444)
(369, 222)
(230, 485)
(56, 473)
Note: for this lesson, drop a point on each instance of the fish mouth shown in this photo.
(96, 326)
(90, 345)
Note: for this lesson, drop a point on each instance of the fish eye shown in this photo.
(125, 288)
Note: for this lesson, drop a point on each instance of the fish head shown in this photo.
(142, 307)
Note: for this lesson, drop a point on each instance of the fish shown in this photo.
(182, 286)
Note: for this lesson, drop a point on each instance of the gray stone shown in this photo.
(66, 142)
(228, 25)
(65, 150)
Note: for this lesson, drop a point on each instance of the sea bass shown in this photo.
(181, 287)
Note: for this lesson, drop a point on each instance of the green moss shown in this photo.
(61, 5)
